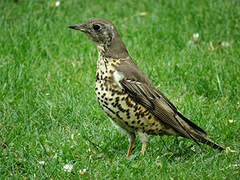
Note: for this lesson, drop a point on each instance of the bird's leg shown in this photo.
(143, 148)
(131, 138)
(144, 140)
(130, 149)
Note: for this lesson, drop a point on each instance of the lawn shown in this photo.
(49, 115)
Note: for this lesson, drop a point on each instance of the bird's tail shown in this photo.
(196, 133)
(207, 141)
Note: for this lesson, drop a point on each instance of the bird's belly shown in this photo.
(126, 113)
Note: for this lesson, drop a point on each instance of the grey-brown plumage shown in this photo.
(128, 97)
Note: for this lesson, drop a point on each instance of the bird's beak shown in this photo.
(81, 27)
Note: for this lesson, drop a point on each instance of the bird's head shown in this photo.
(99, 30)
(105, 35)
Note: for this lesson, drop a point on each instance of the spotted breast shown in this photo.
(118, 105)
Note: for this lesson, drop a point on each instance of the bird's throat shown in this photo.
(114, 49)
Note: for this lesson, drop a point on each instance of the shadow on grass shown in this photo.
(113, 148)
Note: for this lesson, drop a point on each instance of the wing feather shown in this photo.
(142, 94)
(141, 90)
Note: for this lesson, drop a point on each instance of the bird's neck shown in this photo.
(114, 49)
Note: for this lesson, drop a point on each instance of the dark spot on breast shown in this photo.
(128, 102)
(103, 95)
(114, 65)
(127, 113)
(151, 132)
(114, 104)
(120, 108)
(118, 92)
(108, 109)
(145, 111)
(128, 117)
(137, 115)
(97, 76)
(133, 127)
(105, 88)
(117, 114)
(136, 107)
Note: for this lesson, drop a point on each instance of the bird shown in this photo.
(129, 97)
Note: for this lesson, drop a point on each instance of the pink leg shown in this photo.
(143, 148)
(130, 149)
(144, 140)
(131, 138)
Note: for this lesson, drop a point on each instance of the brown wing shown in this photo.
(140, 88)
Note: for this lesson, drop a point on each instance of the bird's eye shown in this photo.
(96, 27)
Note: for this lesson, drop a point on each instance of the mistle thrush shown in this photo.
(127, 95)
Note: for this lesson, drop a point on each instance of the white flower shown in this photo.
(226, 44)
(41, 162)
(142, 14)
(68, 167)
(195, 36)
(82, 171)
(57, 3)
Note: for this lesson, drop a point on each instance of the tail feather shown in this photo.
(207, 141)
(192, 131)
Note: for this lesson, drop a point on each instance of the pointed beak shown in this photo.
(81, 27)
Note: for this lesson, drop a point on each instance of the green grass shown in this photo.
(48, 109)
